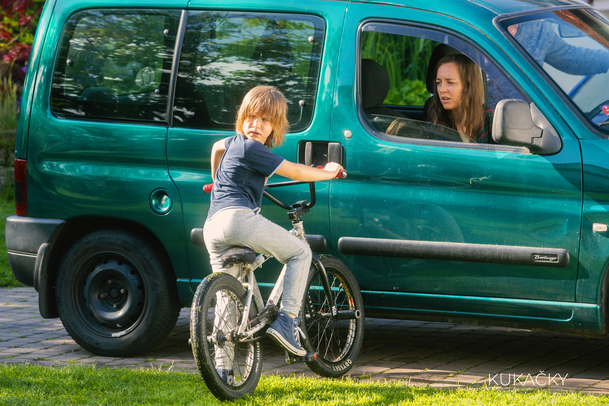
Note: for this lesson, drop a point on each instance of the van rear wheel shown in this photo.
(113, 295)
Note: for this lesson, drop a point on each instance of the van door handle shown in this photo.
(335, 152)
(319, 153)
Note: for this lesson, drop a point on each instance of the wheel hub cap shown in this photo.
(114, 293)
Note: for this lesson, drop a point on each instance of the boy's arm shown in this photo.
(216, 156)
(305, 173)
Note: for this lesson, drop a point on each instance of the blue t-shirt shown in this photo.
(242, 174)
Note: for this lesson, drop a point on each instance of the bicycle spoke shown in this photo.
(224, 318)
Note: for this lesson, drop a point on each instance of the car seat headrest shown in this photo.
(375, 84)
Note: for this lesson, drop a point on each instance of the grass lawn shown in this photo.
(7, 208)
(34, 385)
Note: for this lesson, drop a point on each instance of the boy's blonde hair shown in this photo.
(268, 102)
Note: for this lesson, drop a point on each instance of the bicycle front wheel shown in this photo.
(337, 342)
(230, 368)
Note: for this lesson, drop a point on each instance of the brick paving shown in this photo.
(417, 353)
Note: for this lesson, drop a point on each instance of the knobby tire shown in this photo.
(337, 342)
(209, 321)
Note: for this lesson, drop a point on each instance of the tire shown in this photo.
(114, 294)
(337, 342)
(204, 323)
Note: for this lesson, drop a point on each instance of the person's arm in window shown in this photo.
(544, 45)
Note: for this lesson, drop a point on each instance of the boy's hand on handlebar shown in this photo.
(336, 169)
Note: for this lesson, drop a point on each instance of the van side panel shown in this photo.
(594, 257)
(98, 168)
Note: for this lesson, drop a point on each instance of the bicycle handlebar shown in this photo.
(342, 175)
(289, 183)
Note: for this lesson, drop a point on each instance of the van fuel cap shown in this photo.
(160, 201)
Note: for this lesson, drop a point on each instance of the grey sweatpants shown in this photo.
(247, 228)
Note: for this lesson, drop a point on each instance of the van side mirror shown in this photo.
(566, 30)
(517, 123)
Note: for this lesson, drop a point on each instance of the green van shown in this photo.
(122, 104)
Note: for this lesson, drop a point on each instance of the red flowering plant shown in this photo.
(18, 22)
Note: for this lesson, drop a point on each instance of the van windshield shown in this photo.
(572, 47)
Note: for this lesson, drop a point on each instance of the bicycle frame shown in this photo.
(296, 211)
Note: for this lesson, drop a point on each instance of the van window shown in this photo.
(572, 47)
(115, 65)
(224, 55)
(397, 81)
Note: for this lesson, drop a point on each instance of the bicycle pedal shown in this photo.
(292, 359)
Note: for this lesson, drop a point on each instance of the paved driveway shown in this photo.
(414, 352)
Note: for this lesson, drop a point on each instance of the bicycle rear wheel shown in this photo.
(337, 342)
(229, 368)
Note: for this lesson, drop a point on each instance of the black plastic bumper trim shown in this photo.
(22, 264)
(27, 234)
(24, 237)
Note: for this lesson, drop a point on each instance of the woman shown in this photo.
(459, 97)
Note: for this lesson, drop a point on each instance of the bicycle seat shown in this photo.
(237, 255)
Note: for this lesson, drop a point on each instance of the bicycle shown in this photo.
(229, 318)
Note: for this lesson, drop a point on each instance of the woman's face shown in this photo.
(449, 86)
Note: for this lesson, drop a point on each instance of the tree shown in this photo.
(19, 19)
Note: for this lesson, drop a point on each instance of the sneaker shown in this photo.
(285, 332)
(227, 375)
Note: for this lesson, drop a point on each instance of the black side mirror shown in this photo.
(517, 123)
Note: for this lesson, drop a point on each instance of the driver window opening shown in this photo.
(419, 87)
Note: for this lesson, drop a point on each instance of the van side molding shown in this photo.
(450, 251)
